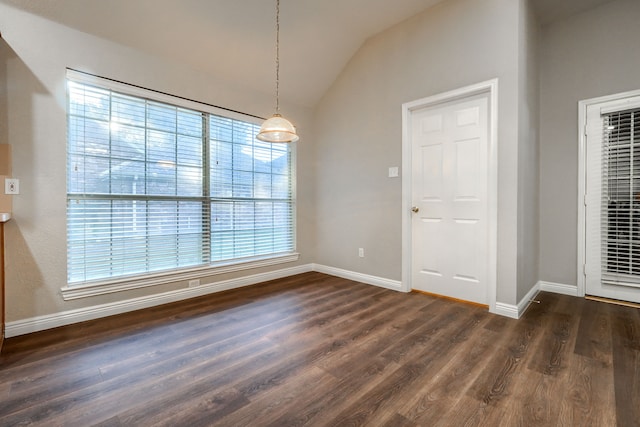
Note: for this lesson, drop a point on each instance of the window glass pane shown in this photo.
(161, 147)
(242, 157)
(281, 187)
(127, 177)
(262, 157)
(161, 117)
(90, 174)
(88, 136)
(190, 181)
(262, 185)
(281, 161)
(221, 183)
(148, 191)
(88, 101)
(127, 142)
(222, 225)
(221, 129)
(161, 179)
(264, 228)
(189, 150)
(621, 194)
(221, 154)
(128, 110)
(163, 227)
(189, 123)
(244, 133)
(242, 184)
(244, 233)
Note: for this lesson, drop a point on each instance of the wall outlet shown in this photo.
(11, 186)
(394, 172)
(194, 283)
(361, 252)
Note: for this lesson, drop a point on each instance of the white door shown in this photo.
(450, 230)
(612, 213)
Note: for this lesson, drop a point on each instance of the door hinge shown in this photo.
(585, 200)
(584, 270)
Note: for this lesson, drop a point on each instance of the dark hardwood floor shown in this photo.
(323, 351)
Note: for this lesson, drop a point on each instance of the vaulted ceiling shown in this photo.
(234, 39)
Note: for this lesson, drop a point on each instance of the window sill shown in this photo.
(120, 285)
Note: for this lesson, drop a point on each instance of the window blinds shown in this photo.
(621, 198)
(153, 187)
(251, 203)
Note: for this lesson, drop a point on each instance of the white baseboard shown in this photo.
(507, 310)
(516, 311)
(40, 323)
(559, 288)
(359, 277)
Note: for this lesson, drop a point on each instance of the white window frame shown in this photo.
(107, 286)
(615, 102)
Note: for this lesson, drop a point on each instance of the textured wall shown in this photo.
(358, 130)
(592, 54)
(35, 115)
(528, 151)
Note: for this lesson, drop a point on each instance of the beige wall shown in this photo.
(34, 60)
(592, 54)
(5, 172)
(358, 131)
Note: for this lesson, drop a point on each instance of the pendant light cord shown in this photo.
(277, 56)
(277, 129)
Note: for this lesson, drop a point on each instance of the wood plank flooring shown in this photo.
(316, 350)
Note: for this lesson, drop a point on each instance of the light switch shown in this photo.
(393, 172)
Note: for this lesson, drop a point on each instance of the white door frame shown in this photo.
(490, 88)
(582, 179)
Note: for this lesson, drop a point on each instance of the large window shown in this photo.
(156, 186)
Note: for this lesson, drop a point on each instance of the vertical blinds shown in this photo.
(621, 198)
(153, 187)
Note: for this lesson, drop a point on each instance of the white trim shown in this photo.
(507, 310)
(95, 289)
(558, 288)
(582, 177)
(491, 88)
(526, 301)
(627, 103)
(516, 311)
(40, 323)
(360, 277)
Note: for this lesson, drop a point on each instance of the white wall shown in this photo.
(35, 57)
(592, 54)
(358, 130)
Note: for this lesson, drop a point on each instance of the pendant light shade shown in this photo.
(277, 128)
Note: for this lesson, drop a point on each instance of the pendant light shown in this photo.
(277, 128)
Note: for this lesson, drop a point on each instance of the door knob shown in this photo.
(415, 209)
